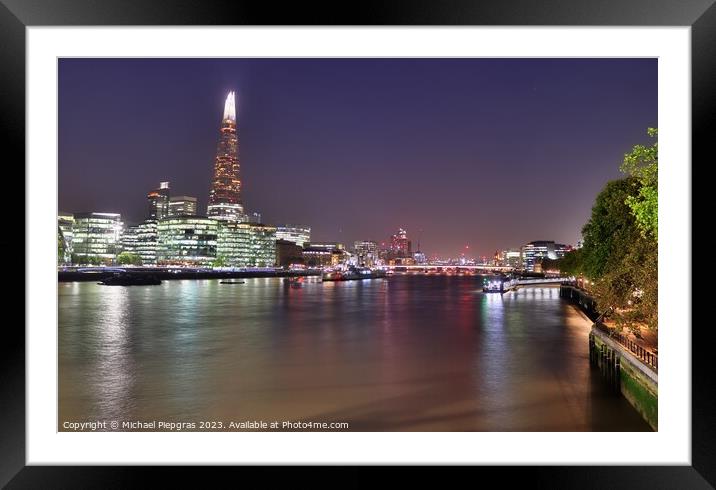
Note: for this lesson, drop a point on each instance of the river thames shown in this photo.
(405, 353)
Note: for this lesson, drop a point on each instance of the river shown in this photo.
(405, 353)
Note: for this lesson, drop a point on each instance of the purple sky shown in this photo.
(487, 152)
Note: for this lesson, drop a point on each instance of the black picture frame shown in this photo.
(15, 15)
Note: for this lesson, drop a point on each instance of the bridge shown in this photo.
(426, 268)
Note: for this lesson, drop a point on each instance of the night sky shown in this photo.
(490, 153)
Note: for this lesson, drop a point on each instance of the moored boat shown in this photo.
(131, 279)
(499, 284)
(353, 273)
(294, 282)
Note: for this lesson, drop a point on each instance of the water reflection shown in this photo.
(405, 353)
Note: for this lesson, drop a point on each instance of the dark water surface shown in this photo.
(406, 353)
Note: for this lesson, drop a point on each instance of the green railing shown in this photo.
(647, 356)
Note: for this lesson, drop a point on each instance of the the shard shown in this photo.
(225, 195)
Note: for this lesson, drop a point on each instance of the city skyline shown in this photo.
(449, 179)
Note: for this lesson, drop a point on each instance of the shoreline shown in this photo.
(75, 276)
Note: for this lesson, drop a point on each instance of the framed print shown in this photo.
(420, 236)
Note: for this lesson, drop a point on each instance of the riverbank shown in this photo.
(628, 367)
(628, 375)
(170, 274)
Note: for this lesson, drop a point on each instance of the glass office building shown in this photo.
(96, 237)
(158, 202)
(300, 235)
(146, 244)
(246, 244)
(65, 222)
(186, 240)
(141, 239)
(534, 252)
(512, 258)
(263, 245)
(182, 206)
(129, 238)
(366, 252)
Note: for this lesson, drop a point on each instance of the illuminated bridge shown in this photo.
(470, 269)
(445, 269)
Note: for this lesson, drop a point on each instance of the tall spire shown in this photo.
(225, 195)
(230, 107)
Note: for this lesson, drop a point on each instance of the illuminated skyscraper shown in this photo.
(159, 202)
(225, 195)
(400, 246)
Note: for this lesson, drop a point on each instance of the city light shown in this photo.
(230, 107)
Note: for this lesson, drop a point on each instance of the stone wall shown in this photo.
(637, 382)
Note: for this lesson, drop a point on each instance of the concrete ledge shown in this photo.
(627, 355)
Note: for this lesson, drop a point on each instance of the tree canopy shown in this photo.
(610, 229)
(620, 251)
(128, 258)
(642, 163)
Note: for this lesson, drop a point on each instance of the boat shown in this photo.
(232, 282)
(353, 273)
(500, 284)
(294, 282)
(131, 279)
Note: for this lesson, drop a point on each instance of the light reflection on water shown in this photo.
(405, 353)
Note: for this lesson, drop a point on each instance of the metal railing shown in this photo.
(545, 280)
(647, 356)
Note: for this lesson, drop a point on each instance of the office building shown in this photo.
(65, 222)
(300, 235)
(317, 257)
(326, 245)
(182, 206)
(366, 252)
(512, 258)
(288, 253)
(534, 252)
(561, 249)
(129, 238)
(255, 218)
(186, 240)
(158, 201)
(246, 244)
(400, 246)
(262, 245)
(96, 238)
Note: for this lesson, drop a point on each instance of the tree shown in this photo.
(642, 164)
(61, 254)
(80, 259)
(571, 263)
(550, 264)
(620, 258)
(610, 229)
(128, 258)
(219, 261)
